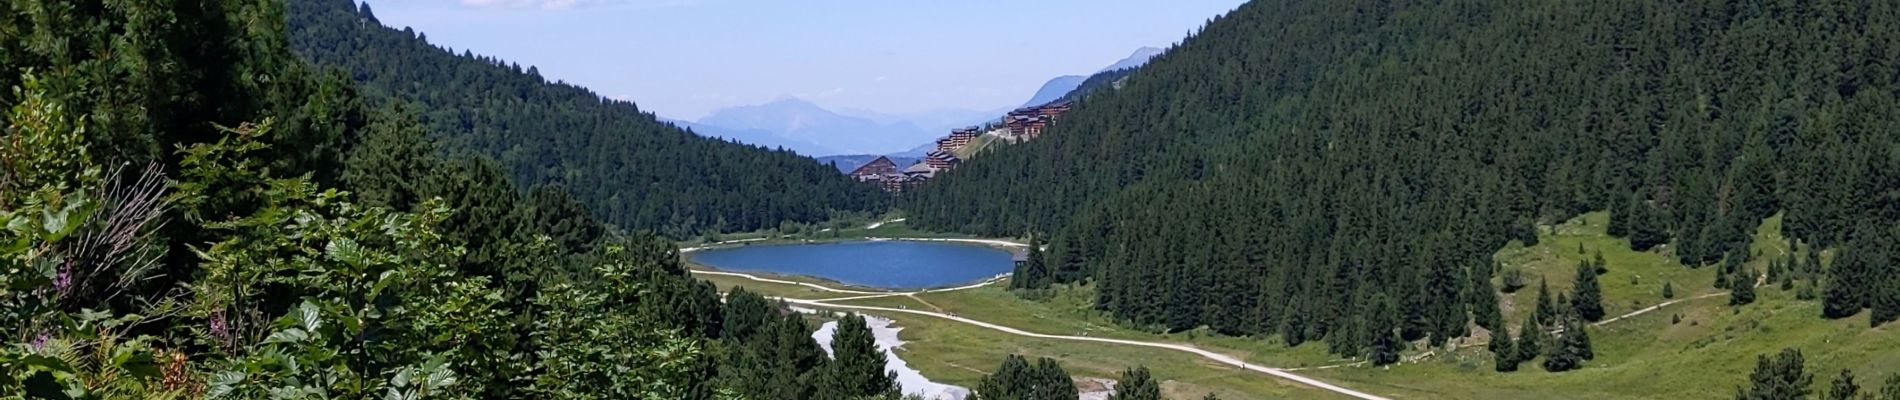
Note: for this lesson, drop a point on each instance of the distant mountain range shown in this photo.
(820, 131)
(808, 129)
(1061, 86)
(755, 137)
(1140, 58)
(1054, 89)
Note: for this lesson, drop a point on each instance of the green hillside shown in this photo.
(1339, 171)
(631, 169)
(191, 211)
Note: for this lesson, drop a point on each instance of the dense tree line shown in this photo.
(1294, 162)
(192, 212)
(632, 170)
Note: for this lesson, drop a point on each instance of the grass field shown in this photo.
(1706, 355)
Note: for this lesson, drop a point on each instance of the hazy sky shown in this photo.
(685, 58)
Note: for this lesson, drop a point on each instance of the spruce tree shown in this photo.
(1050, 382)
(1669, 290)
(1571, 349)
(1010, 381)
(1530, 340)
(1645, 230)
(1018, 379)
(1033, 273)
(1885, 298)
(1136, 384)
(1778, 378)
(1588, 302)
(1841, 297)
(1843, 387)
(1545, 312)
(1503, 350)
(1482, 299)
(1602, 266)
(1385, 347)
(856, 369)
(1742, 291)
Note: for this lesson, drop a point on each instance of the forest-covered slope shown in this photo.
(191, 211)
(631, 169)
(1337, 170)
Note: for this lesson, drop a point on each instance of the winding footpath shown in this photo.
(1221, 358)
(1283, 373)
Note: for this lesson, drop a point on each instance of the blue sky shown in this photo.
(685, 58)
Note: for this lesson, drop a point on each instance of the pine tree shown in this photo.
(1446, 308)
(1669, 290)
(1018, 379)
(1010, 381)
(1545, 312)
(1033, 273)
(1588, 302)
(1385, 347)
(1503, 350)
(1136, 384)
(1842, 297)
(1843, 387)
(1050, 382)
(1743, 291)
(1645, 228)
(856, 369)
(1885, 298)
(1777, 378)
(1602, 266)
(1530, 340)
(1482, 299)
(1571, 349)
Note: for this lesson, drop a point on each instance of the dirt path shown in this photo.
(874, 225)
(1217, 357)
(1759, 282)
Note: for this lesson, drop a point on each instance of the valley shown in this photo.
(951, 333)
(1309, 199)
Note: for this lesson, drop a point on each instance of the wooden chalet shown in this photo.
(875, 170)
(941, 160)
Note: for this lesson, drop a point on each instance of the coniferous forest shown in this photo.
(240, 199)
(630, 169)
(1339, 171)
(191, 210)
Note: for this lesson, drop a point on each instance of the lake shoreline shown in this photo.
(876, 265)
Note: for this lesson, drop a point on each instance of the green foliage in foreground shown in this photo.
(322, 252)
(1018, 379)
(1137, 384)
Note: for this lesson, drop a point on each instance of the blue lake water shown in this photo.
(881, 264)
